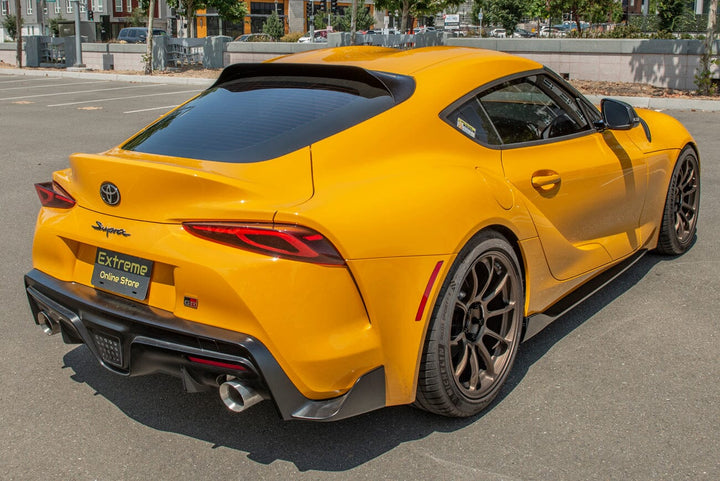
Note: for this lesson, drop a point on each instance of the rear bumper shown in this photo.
(133, 339)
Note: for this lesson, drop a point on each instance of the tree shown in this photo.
(413, 8)
(341, 23)
(592, 11)
(703, 76)
(273, 26)
(10, 25)
(507, 13)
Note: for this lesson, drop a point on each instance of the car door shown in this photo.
(584, 189)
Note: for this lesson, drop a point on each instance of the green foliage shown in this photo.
(644, 23)
(230, 10)
(273, 26)
(669, 11)
(364, 21)
(341, 23)
(138, 17)
(291, 37)
(55, 25)
(703, 75)
(10, 24)
(507, 13)
(415, 8)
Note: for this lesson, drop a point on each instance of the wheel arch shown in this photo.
(512, 239)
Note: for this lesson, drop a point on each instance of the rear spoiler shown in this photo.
(400, 87)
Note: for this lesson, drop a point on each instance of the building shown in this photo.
(103, 19)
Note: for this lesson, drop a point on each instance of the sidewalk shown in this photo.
(652, 103)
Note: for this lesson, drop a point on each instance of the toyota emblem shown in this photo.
(109, 193)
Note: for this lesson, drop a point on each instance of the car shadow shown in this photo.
(159, 402)
(535, 348)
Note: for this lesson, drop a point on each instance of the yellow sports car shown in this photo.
(352, 228)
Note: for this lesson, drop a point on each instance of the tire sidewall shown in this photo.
(669, 242)
(442, 320)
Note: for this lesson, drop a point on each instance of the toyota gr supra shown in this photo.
(346, 229)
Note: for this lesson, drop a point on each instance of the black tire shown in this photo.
(679, 221)
(475, 330)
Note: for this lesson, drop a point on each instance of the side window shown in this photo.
(532, 108)
(472, 120)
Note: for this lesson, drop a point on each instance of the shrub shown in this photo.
(291, 37)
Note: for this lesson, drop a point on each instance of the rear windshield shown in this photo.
(257, 118)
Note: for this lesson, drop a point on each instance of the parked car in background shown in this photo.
(552, 32)
(522, 33)
(254, 37)
(138, 34)
(320, 36)
(498, 33)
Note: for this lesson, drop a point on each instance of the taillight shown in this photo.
(52, 195)
(277, 240)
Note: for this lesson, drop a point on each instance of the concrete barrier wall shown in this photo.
(7, 53)
(662, 63)
(250, 52)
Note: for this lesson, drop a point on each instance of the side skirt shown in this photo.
(537, 322)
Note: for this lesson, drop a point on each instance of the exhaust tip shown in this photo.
(237, 396)
(48, 325)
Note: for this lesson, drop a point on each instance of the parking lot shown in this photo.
(623, 387)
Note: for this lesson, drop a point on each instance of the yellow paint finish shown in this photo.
(191, 189)
(588, 209)
(395, 194)
(392, 289)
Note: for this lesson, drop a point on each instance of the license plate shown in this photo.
(122, 274)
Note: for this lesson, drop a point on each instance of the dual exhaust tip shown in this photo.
(49, 325)
(237, 396)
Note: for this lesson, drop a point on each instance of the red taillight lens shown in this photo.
(285, 241)
(52, 195)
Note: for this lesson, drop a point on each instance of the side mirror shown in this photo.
(617, 115)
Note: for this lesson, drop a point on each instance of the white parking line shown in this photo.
(148, 110)
(53, 85)
(82, 91)
(123, 98)
(25, 79)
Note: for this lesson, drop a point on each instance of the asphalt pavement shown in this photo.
(624, 387)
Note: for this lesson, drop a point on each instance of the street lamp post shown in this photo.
(78, 47)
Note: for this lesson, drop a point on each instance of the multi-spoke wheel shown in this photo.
(679, 222)
(475, 330)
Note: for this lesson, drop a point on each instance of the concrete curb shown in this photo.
(663, 103)
(652, 103)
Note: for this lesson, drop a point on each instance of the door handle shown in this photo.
(545, 180)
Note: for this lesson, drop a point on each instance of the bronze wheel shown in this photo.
(475, 330)
(679, 223)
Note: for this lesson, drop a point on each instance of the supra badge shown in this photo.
(109, 230)
(109, 193)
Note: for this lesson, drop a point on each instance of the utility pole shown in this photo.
(78, 47)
